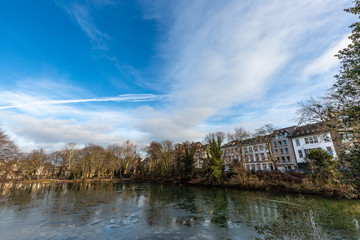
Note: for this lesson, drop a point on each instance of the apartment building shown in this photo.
(282, 149)
(200, 155)
(309, 137)
(255, 155)
(289, 147)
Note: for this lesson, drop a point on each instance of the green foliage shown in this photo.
(347, 84)
(214, 167)
(185, 160)
(351, 167)
(322, 166)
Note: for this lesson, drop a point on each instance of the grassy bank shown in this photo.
(263, 181)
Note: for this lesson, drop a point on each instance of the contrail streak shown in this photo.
(120, 98)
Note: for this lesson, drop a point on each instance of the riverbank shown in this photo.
(267, 182)
(116, 180)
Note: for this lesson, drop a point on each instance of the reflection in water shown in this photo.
(149, 211)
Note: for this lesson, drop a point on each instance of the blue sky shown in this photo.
(104, 71)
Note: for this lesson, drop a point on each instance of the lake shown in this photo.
(153, 211)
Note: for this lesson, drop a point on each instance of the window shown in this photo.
(297, 142)
(286, 150)
(262, 156)
(283, 159)
(329, 150)
(278, 159)
(261, 148)
(251, 158)
(315, 140)
(301, 154)
(306, 141)
(288, 158)
(311, 140)
(326, 138)
(282, 151)
(245, 150)
(264, 166)
(277, 136)
(284, 142)
(255, 148)
(286, 134)
(275, 144)
(257, 157)
(250, 149)
(258, 166)
(279, 143)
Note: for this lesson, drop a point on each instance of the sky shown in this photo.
(104, 71)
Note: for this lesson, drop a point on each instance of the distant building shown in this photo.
(312, 136)
(282, 149)
(289, 148)
(255, 155)
(200, 155)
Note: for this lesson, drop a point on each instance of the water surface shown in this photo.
(151, 211)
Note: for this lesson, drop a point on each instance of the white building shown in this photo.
(309, 137)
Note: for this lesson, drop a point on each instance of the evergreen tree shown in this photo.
(214, 167)
(322, 166)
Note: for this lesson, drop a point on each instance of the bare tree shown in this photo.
(266, 133)
(153, 151)
(115, 163)
(332, 116)
(9, 154)
(33, 165)
(239, 135)
(130, 155)
(69, 153)
(166, 161)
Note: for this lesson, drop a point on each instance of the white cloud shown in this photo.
(231, 60)
(222, 54)
(326, 61)
(36, 120)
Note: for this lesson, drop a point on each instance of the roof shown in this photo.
(309, 129)
(290, 130)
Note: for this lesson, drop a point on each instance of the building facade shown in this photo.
(282, 149)
(289, 148)
(309, 137)
(254, 155)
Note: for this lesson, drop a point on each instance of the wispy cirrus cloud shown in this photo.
(120, 98)
(224, 54)
(81, 13)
